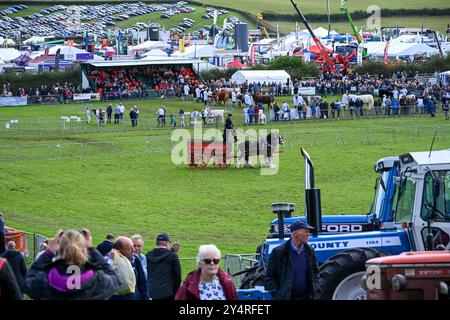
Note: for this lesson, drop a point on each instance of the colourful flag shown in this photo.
(386, 52)
(86, 41)
(119, 44)
(181, 48)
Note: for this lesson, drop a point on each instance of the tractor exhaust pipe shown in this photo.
(313, 206)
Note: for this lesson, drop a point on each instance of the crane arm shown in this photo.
(355, 31)
(316, 40)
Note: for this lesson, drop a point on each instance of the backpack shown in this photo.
(122, 267)
(2, 263)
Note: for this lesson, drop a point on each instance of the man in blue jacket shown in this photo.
(293, 271)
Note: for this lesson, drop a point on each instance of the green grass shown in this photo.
(437, 23)
(285, 6)
(128, 189)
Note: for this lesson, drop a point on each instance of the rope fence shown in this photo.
(311, 137)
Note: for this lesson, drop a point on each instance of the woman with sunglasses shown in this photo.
(208, 282)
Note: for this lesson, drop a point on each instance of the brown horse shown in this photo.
(221, 97)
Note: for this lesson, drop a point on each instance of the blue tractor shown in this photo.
(419, 219)
(380, 212)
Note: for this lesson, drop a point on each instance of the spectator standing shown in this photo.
(105, 247)
(2, 233)
(173, 122)
(293, 271)
(16, 262)
(116, 114)
(109, 111)
(69, 251)
(138, 245)
(181, 113)
(88, 115)
(208, 281)
(164, 270)
(124, 246)
(133, 117)
(9, 289)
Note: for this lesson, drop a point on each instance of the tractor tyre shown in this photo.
(253, 278)
(340, 276)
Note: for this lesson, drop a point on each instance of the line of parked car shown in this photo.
(65, 21)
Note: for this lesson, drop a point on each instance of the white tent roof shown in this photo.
(156, 52)
(260, 76)
(404, 49)
(36, 39)
(69, 52)
(3, 41)
(147, 58)
(8, 54)
(148, 45)
(321, 32)
(196, 51)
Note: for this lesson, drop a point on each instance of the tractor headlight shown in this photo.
(443, 288)
(398, 282)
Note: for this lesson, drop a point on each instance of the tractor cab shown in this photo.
(422, 199)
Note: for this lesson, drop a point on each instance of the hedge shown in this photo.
(29, 80)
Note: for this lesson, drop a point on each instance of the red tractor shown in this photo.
(422, 275)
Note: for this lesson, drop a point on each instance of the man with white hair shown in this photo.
(208, 281)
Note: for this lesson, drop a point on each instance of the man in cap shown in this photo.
(293, 270)
(164, 270)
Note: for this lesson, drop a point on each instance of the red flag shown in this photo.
(386, 52)
(253, 54)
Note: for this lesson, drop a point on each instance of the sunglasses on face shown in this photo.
(208, 261)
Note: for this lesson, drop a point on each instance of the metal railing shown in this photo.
(309, 136)
(79, 124)
(235, 263)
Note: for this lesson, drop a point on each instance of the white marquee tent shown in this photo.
(196, 51)
(278, 76)
(8, 54)
(399, 49)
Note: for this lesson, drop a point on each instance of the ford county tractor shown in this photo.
(420, 221)
(380, 211)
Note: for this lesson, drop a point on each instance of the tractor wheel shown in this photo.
(340, 276)
(253, 278)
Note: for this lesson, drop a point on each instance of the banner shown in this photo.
(86, 96)
(253, 54)
(13, 101)
(57, 57)
(359, 57)
(181, 47)
(307, 91)
(19, 238)
(386, 52)
(84, 56)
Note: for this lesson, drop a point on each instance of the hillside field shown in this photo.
(122, 180)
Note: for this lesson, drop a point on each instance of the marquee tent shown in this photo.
(278, 76)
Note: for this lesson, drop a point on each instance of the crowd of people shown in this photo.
(134, 82)
(70, 267)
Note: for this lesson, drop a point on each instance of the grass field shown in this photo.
(437, 23)
(285, 6)
(133, 189)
